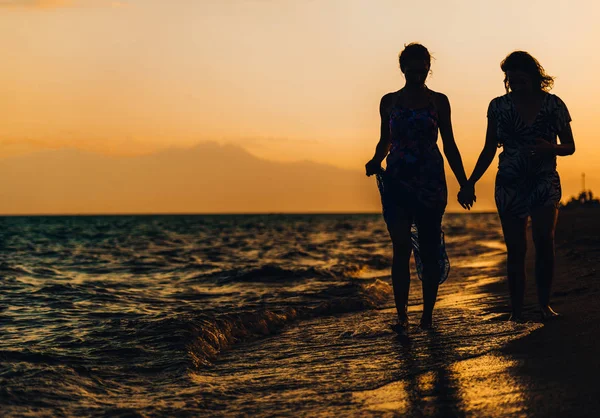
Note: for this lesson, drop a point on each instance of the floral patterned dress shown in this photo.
(413, 185)
(525, 182)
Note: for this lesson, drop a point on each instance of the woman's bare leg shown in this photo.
(543, 225)
(429, 227)
(515, 237)
(400, 234)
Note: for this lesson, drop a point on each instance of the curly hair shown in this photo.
(523, 61)
(413, 51)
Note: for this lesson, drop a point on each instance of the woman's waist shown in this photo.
(518, 172)
(420, 151)
(525, 158)
(518, 142)
(397, 180)
(414, 168)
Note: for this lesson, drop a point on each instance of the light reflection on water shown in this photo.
(104, 315)
(480, 386)
(392, 397)
(487, 387)
(354, 366)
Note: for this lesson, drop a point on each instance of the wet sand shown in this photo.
(560, 360)
(354, 365)
(474, 364)
(551, 371)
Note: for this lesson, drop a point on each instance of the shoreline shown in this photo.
(557, 362)
(548, 371)
(474, 363)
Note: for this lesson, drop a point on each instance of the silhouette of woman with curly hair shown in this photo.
(526, 123)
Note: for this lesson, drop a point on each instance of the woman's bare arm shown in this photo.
(567, 143)
(450, 149)
(383, 146)
(488, 153)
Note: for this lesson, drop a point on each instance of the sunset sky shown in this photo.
(286, 80)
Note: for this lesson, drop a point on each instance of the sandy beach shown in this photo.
(560, 360)
(550, 371)
(475, 363)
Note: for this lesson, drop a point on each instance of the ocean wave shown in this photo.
(214, 335)
(274, 273)
(31, 356)
(295, 254)
(377, 261)
(7, 268)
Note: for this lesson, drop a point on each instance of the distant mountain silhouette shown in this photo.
(206, 178)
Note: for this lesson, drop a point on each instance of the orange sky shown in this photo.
(287, 80)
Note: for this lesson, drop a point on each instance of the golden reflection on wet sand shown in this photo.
(478, 386)
(488, 388)
(392, 397)
(481, 386)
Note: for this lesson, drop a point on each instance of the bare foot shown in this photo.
(426, 323)
(401, 328)
(548, 313)
(514, 317)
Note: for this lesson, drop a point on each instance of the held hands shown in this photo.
(541, 147)
(466, 196)
(373, 167)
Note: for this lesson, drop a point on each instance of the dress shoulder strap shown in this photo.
(431, 100)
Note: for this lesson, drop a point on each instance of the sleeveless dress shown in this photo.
(525, 182)
(413, 186)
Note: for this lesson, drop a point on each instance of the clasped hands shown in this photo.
(466, 197)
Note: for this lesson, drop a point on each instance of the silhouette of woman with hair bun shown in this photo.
(413, 186)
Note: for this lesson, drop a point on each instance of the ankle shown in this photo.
(516, 313)
(426, 322)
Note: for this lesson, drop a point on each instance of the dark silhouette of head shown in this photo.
(415, 63)
(522, 72)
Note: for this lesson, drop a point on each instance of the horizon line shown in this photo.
(314, 213)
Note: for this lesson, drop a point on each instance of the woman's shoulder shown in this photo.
(387, 102)
(499, 104)
(440, 101)
(558, 109)
(439, 97)
(390, 97)
(500, 100)
(555, 101)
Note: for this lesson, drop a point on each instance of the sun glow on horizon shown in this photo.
(287, 81)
